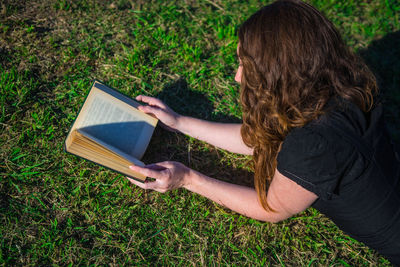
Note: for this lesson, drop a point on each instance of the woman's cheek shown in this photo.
(238, 76)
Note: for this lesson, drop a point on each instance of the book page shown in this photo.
(114, 119)
(87, 147)
(112, 149)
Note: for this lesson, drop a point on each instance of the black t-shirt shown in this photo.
(360, 192)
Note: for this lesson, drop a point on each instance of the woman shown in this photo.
(311, 124)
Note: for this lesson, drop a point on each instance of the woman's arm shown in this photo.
(284, 196)
(223, 135)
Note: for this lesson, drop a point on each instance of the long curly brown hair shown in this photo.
(294, 60)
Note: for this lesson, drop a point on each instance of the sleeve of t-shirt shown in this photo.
(310, 160)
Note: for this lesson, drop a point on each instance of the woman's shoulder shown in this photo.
(316, 156)
(314, 147)
(311, 139)
(321, 133)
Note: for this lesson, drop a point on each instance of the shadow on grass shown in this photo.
(383, 58)
(186, 101)
(168, 146)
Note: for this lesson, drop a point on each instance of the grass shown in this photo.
(59, 210)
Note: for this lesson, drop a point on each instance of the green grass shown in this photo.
(57, 209)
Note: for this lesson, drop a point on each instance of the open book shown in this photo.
(109, 130)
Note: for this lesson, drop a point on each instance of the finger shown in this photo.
(137, 183)
(161, 190)
(144, 185)
(151, 101)
(150, 109)
(155, 166)
(166, 164)
(139, 98)
(148, 172)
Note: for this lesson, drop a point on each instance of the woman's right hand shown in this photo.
(168, 117)
(168, 175)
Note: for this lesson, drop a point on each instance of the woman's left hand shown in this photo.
(168, 175)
